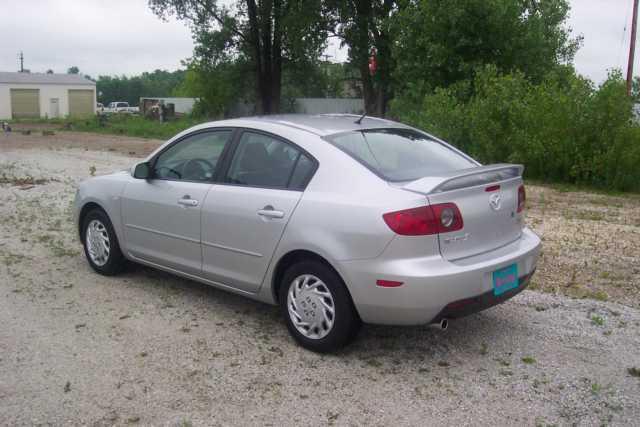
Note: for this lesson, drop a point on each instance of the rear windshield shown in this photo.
(400, 154)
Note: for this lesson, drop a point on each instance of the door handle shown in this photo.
(187, 201)
(269, 212)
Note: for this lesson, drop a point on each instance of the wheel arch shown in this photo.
(298, 255)
(86, 208)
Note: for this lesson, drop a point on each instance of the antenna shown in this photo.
(21, 59)
(359, 121)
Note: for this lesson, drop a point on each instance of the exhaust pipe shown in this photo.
(442, 325)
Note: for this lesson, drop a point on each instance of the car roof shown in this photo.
(318, 124)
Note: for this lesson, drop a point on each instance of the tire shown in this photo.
(107, 262)
(309, 302)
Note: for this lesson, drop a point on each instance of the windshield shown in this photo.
(400, 154)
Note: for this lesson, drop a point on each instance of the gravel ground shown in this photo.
(148, 348)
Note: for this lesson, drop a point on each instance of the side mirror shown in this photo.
(142, 171)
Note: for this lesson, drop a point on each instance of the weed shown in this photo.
(23, 180)
(634, 372)
(503, 362)
(374, 363)
(528, 360)
(597, 320)
(483, 349)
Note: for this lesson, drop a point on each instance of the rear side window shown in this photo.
(400, 154)
(263, 161)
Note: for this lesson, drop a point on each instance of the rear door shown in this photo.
(244, 216)
(162, 215)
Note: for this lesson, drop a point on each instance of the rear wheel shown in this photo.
(101, 244)
(317, 307)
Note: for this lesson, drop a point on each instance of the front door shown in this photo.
(54, 108)
(161, 215)
(244, 216)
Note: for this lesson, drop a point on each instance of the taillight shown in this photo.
(449, 217)
(522, 198)
(425, 220)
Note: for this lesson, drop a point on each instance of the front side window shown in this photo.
(194, 158)
(263, 161)
(400, 154)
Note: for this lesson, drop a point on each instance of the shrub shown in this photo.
(563, 129)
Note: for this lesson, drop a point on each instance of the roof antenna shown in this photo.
(359, 121)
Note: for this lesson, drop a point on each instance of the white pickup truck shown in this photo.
(120, 107)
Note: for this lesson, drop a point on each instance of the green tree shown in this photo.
(73, 70)
(159, 83)
(265, 35)
(440, 43)
(365, 27)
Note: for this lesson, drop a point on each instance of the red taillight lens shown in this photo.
(412, 222)
(522, 198)
(425, 220)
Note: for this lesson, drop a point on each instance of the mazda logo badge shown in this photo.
(494, 201)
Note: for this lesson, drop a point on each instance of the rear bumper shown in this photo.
(468, 306)
(434, 288)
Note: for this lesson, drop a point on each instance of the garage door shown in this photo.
(25, 103)
(80, 102)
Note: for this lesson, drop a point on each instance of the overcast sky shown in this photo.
(124, 37)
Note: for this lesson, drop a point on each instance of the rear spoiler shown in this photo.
(465, 178)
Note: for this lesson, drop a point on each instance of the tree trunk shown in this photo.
(254, 32)
(276, 74)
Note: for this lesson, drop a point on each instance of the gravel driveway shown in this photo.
(148, 348)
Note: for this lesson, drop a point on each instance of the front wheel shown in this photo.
(317, 307)
(101, 244)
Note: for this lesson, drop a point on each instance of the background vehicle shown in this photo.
(337, 219)
(120, 107)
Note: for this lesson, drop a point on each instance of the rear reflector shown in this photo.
(522, 198)
(492, 188)
(388, 283)
(425, 220)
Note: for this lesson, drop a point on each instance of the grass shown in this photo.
(127, 125)
(597, 320)
(528, 360)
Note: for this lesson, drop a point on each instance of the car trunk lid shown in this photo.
(487, 198)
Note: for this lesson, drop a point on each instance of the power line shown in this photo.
(624, 34)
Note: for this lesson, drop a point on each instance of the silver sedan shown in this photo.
(337, 219)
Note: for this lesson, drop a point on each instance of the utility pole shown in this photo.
(21, 58)
(632, 50)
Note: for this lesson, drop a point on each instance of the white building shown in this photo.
(33, 95)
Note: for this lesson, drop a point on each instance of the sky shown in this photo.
(115, 37)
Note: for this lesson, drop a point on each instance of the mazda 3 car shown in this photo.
(338, 219)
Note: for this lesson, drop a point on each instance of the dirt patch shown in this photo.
(64, 140)
(591, 244)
